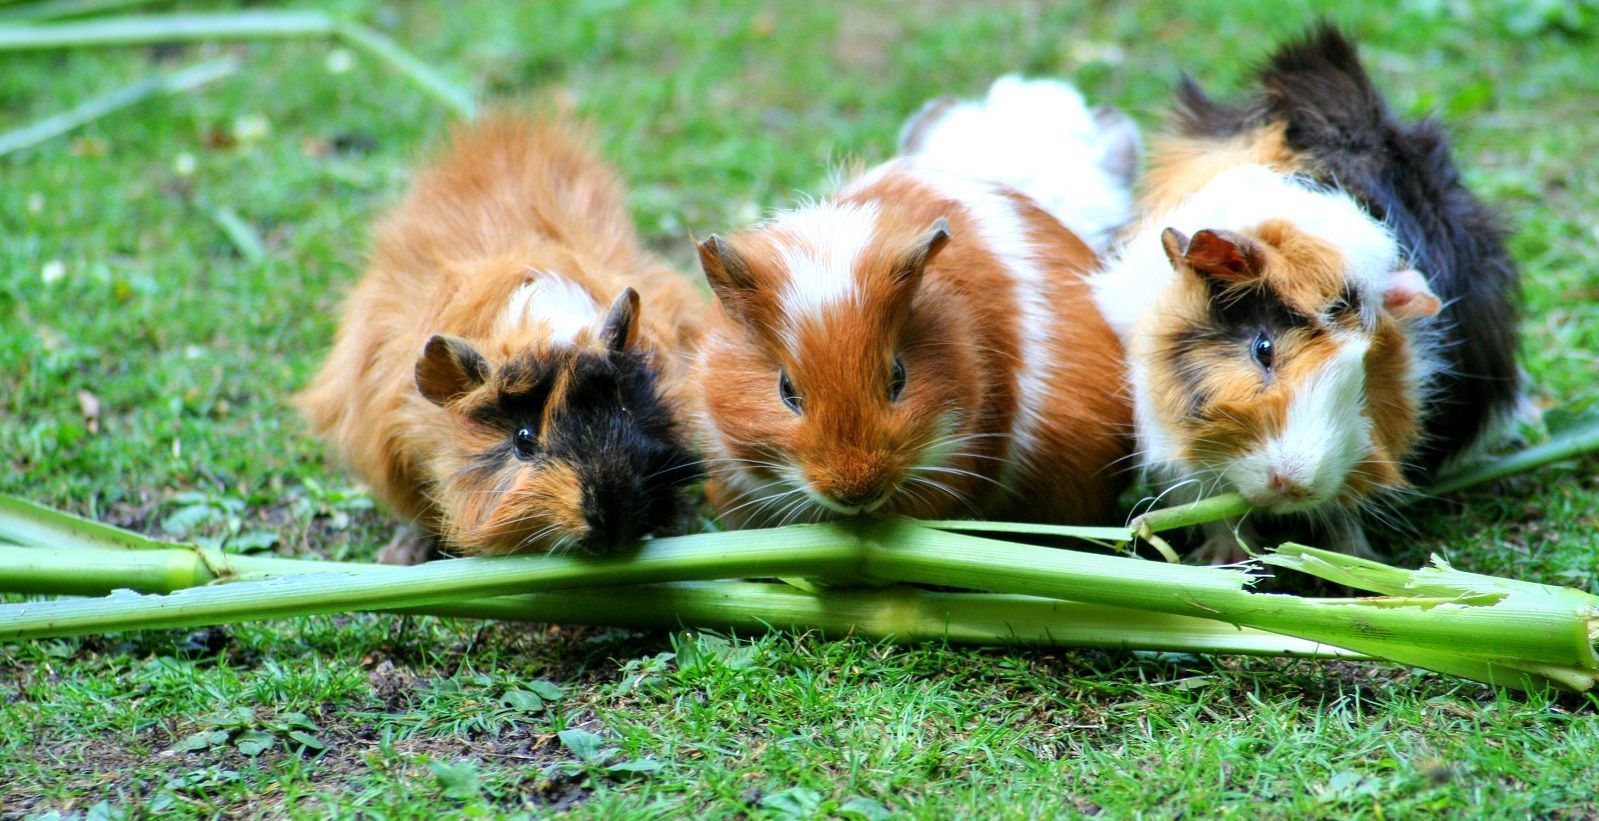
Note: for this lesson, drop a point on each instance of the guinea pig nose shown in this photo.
(1286, 487)
(612, 518)
(862, 497)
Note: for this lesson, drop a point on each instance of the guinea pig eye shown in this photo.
(790, 397)
(1261, 350)
(524, 443)
(896, 382)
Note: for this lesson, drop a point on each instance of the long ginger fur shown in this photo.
(510, 199)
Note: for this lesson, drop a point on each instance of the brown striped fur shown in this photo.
(956, 325)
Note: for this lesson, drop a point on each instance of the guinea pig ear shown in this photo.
(620, 329)
(727, 272)
(1175, 243)
(922, 253)
(1223, 256)
(449, 368)
(1408, 296)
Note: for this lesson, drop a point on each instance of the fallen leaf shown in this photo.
(254, 743)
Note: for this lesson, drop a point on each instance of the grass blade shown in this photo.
(243, 25)
(420, 73)
(175, 82)
(166, 28)
(55, 9)
(240, 234)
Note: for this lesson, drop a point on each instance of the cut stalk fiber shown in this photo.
(244, 25)
(902, 614)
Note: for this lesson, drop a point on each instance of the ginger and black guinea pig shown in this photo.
(1317, 313)
(924, 343)
(508, 374)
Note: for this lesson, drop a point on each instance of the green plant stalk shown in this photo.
(1561, 446)
(1533, 642)
(23, 522)
(1215, 508)
(171, 83)
(826, 550)
(1145, 527)
(1523, 632)
(1108, 536)
(902, 614)
(244, 25)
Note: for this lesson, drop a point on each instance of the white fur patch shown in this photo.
(819, 245)
(1324, 437)
(1238, 199)
(554, 301)
(1038, 137)
(1329, 410)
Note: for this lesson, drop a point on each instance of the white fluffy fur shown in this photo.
(1325, 434)
(1038, 137)
(1321, 441)
(1238, 199)
(820, 245)
(554, 301)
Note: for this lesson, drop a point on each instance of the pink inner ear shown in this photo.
(1408, 295)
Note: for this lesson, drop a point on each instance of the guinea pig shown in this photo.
(1341, 134)
(496, 378)
(923, 343)
(1317, 314)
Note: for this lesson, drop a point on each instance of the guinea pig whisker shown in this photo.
(799, 508)
(536, 536)
(945, 489)
(741, 462)
(763, 502)
(1135, 455)
(783, 514)
(957, 472)
(667, 471)
(1153, 502)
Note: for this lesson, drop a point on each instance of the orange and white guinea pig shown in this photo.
(924, 343)
(506, 375)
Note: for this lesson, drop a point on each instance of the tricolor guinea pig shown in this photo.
(1317, 313)
(922, 343)
(506, 375)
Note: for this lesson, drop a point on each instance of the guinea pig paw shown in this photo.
(1220, 551)
(410, 545)
(1349, 538)
(1224, 544)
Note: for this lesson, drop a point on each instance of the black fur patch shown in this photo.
(1403, 174)
(1236, 317)
(611, 425)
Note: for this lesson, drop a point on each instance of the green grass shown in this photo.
(715, 111)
